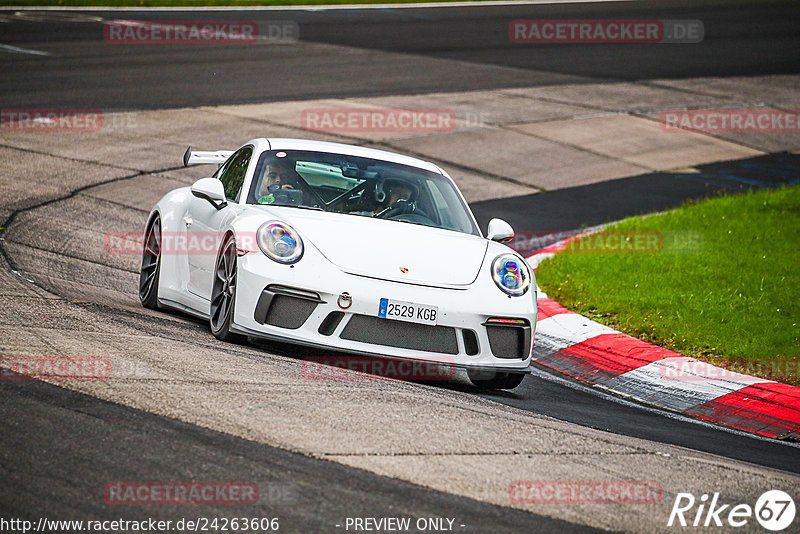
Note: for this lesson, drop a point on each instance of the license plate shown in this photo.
(408, 311)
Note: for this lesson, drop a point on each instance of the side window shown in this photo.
(232, 176)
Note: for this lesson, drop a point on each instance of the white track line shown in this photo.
(317, 7)
(18, 50)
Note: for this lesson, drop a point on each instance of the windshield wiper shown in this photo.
(417, 223)
(302, 207)
(298, 206)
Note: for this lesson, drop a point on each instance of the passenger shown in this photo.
(277, 179)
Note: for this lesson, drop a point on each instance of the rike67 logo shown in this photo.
(774, 510)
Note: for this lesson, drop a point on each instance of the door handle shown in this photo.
(187, 220)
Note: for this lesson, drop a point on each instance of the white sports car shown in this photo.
(345, 248)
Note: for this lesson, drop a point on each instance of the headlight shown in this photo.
(511, 274)
(280, 242)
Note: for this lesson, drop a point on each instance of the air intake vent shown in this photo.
(289, 312)
(285, 307)
(330, 323)
(509, 338)
(471, 346)
(401, 334)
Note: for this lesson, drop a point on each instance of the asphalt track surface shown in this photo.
(742, 38)
(589, 205)
(306, 494)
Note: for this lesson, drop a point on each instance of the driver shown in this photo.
(398, 191)
(276, 180)
(395, 192)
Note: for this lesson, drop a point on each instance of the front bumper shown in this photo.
(301, 304)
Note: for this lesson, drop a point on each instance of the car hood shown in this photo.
(385, 249)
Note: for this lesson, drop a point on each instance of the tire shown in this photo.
(223, 294)
(495, 379)
(150, 272)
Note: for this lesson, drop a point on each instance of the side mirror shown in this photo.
(499, 231)
(212, 190)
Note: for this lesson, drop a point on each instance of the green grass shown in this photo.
(725, 288)
(198, 3)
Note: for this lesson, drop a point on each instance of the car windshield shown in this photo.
(359, 186)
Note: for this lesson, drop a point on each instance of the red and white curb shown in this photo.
(595, 354)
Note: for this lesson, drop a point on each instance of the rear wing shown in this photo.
(198, 157)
